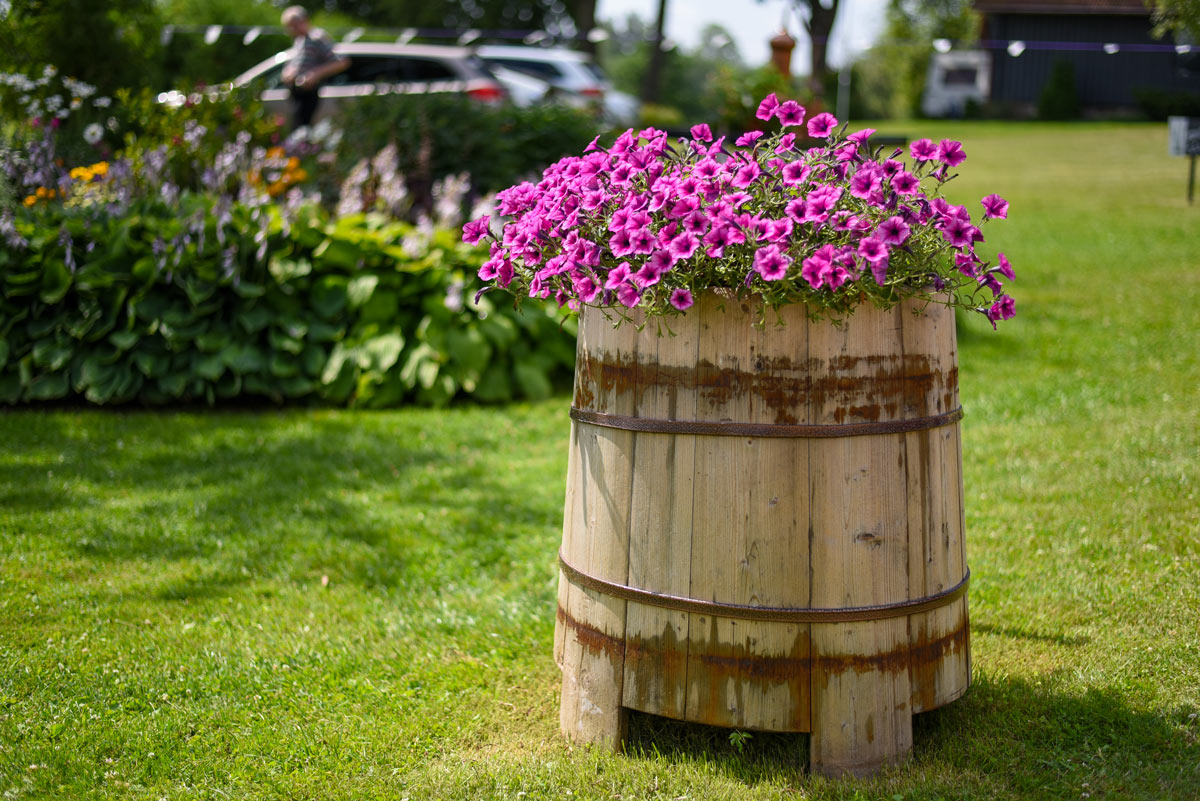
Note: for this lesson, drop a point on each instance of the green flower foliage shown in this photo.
(363, 311)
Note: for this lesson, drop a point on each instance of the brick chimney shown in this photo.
(782, 46)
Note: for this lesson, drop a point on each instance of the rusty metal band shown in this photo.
(765, 613)
(658, 426)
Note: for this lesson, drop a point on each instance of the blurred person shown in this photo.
(312, 61)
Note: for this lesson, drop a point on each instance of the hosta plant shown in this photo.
(827, 220)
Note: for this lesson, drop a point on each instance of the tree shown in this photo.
(108, 44)
(818, 17)
(891, 76)
(1179, 17)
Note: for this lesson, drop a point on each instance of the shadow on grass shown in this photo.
(1013, 633)
(229, 497)
(1009, 736)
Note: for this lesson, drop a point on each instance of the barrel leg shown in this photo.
(593, 670)
(861, 700)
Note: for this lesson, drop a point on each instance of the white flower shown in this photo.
(112, 124)
(50, 71)
(62, 113)
(93, 133)
(76, 102)
(102, 102)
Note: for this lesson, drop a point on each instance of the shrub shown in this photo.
(1059, 99)
(1158, 104)
(362, 311)
(442, 135)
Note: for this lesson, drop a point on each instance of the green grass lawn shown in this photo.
(345, 605)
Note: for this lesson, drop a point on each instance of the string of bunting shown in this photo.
(1014, 47)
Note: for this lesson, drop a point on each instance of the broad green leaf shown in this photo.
(494, 385)
(283, 366)
(173, 385)
(382, 351)
(360, 289)
(209, 365)
(532, 379)
(144, 271)
(255, 318)
(51, 354)
(285, 269)
(3, 351)
(213, 341)
(243, 358)
(49, 386)
(328, 296)
(297, 386)
(56, 280)
(340, 253)
(312, 360)
(124, 340)
(281, 341)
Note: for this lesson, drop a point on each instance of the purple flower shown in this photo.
(628, 295)
(995, 207)
(587, 289)
(790, 113)
(776, 230)
(893, 231)
(650, 274)
(1005, 268)
(748, 138)
(702, 133)
(683, 246)
(822, 125)
(618, 276)
(905, 183)
(864, 183)
(766, 109)
(860, 137)
(873, 250)
(1004, 308)
(620, 243)
(786, 143)
(681, 299)
(795, 210)
(922, 150)
(795, 173)
(771, 263)
(592, 145)
(475, 230)
(706, 169)
(950, 153)
(957, 231)
(817, 267)
(746, 174)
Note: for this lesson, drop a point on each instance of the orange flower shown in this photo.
(30, 200)
(275, 153)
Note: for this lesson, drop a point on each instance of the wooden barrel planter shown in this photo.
(764, 528)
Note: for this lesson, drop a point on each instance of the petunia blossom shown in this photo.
(822, 125)
(681, 299)
(476, 230)
(771, 263)
(1005, 268)
(748, 138)
(995, 207)
(893, 231)
(790, 113)
(702, 133)
(923, 150)
(950, 153)
(766, 109)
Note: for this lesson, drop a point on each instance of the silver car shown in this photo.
(381, 68)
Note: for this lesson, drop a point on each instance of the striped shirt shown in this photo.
(311, 51)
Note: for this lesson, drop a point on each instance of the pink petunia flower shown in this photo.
(628, 295)
(1004, 308)
(905, 183)
(951, 153)
(1005, 268)
(746, 174)
(476, 230)
(995, 207)
(702, 133)
(766, 109)
(748, 138)
(771, 263)
(893, 231)
(860, 137)
(681, 299)
(923, 150)
(790, 113)
(822, 125)
(617, 276)
(786, 143)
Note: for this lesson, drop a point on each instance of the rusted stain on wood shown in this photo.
(735, 667)
(862, 388)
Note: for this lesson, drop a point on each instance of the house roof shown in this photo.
(1062, 7)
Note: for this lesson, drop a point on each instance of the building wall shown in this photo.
(1103, 80)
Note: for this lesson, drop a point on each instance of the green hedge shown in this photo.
(329, 312)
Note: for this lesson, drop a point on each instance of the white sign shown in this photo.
(1183, 136)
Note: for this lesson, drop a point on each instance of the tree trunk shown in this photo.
(819, 25)
(583, 13)
(651, 87)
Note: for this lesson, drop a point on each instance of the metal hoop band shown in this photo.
(709, 428)
(767, 613)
